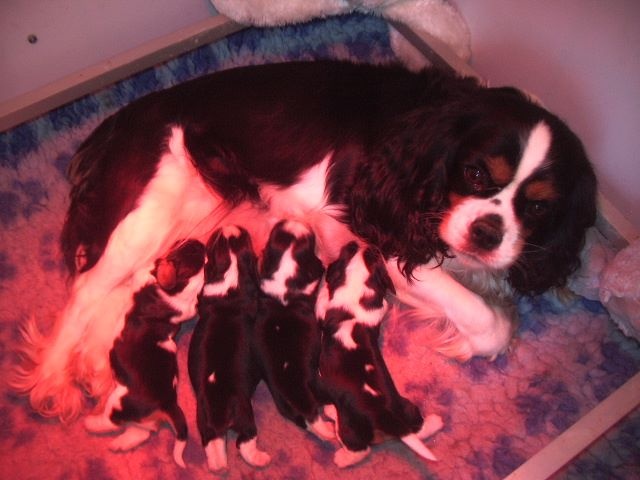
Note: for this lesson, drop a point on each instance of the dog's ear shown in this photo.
(279, 241)
(336, 272)
(379, 278)
(242, 246)
(218, 257)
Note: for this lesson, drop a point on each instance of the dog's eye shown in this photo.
(477, 178)
(537, 209)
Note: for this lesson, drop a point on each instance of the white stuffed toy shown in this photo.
(437, 18)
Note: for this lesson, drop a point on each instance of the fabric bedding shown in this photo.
(568, 355)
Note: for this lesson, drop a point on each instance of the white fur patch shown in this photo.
(370, 390)
(277, 286)
(212, 378)
(229, 281)
(251, 454)
(216, 454)
(169, 345)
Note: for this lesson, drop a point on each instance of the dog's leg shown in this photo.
(216, 453)
(252, 455)
(323, 430)
(175, 204)
(483, 329)
(102, 423)
(432, 423)
(133, 436)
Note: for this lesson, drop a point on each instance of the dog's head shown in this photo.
(487, 176)
(521, 192)
(290, 266)
(231, 261)
(174, 270)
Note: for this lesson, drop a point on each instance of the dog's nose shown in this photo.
(486, 232)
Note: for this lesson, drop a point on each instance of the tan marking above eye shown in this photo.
(541, 190)
(500, 170)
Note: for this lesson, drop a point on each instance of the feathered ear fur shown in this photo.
(242, 246)
(336, 272)
(311, 268)
(379, 279)
(218, 258)
(279, 241)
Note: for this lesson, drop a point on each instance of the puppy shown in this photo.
(143, 357)
(287, 336)
(222, 369)
(353, 373)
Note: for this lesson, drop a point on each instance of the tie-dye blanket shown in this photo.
(569, 356)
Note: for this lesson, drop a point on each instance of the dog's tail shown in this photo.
(415, 444)
(50, 390)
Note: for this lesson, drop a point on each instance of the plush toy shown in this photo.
(437, 18)
(620, 289)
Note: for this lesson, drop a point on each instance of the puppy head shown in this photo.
(290, 266)
(521, 192)
(231, 260)
(356, 282)
(174, 270)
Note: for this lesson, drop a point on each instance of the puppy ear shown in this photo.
(336, 272)
(279, 241)
(379, 277)
(218, 258)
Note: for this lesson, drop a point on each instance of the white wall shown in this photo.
(75, 34)
(582, 58)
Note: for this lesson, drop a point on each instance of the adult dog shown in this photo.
(439, 173)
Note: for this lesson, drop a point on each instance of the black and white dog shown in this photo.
(143, 357)
(222, 368)
(470, 193)
(287, 335)
(353, 373)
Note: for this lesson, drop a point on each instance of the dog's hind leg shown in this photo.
(247, 443)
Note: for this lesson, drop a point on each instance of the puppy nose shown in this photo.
(486, 232)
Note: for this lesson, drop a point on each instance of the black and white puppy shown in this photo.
(143, 357)
(222, 369)
(287, 335)
(470, 193)
(353, 373)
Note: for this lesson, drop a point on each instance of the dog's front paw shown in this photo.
(345, 458)
(216, 455)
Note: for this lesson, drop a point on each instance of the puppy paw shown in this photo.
(323, 430)
(432, 423)
(100, 424)
(129, 439)
(345, 458)
(216, 455)
(331, 412)
(252, 455)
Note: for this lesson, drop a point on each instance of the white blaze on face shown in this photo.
(456, 226)
(228, 282)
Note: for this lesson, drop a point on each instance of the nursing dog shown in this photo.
(353, 374)
(222, 369)
(287, 335)
(472, 194)
(143, 357)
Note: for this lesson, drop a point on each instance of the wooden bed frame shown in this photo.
(610, 223)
